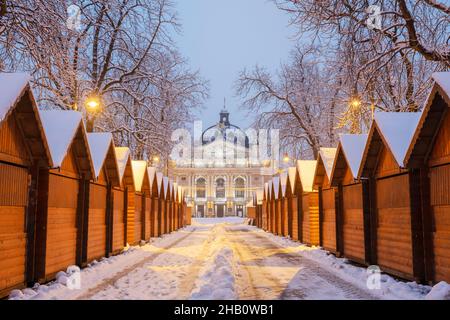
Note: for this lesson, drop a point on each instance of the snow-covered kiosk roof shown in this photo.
(269, 189)
(431, 120)
(276, 185)
(292, 178)
(123, 155)
(284, 183)
(166, 187)
(159, 183)
(151, 171)
(101, 147)
(266, 191)
(325, 162)
(140, 176)
(64, 130)
(348, 155)
(306, 170)
(16, 98)
(395, 131)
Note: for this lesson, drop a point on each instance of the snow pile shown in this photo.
(441, 291)
(216, 280)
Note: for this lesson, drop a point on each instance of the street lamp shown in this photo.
(92, 106)
(355, 103)
(286, 158)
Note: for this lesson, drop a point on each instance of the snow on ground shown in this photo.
(227, 259)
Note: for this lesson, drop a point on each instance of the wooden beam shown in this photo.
(373, 214)
(367, 222)
(143, 216)
(109, 219)
(416, 226)
(31, 212)
(427, 222)
(40, 251)
(339, 205)
(321, 216)
(125, 214)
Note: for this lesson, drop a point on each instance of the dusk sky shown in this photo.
(221, 38)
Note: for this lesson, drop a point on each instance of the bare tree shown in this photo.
(122, 54)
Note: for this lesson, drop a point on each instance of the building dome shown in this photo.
(221, 129)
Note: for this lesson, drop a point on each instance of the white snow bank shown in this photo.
(440, 291)
(398, 129)
(60, 127)
(12, 86)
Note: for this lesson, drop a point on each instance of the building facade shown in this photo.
(222, 179)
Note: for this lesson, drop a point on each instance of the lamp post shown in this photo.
(92, 106)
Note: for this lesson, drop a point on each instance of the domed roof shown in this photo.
(222, 128)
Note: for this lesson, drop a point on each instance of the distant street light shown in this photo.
(286, 158)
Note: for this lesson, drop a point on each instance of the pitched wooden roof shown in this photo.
(123, 155)
(63, 129)
(306, 170)
(140, 176)
(103, 155)
(434, 111)
(349, 153)
(393, 130)
(325, 162)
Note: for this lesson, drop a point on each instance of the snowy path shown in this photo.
(223, 259)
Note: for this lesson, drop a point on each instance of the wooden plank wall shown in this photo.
(439, 179)
(284, 217)
(97, 222)
(62, 224)
(118, 240)
(13, 188)
(440, 203)
(353, 222)
(148, 220)
(295, 224)
(278, 224)
(134, 218)
(394, 241)
(310, 221)
(329, 219)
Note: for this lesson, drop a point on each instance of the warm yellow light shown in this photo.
(355, 103)
(286, 158)
(92, 104)
(156, 159)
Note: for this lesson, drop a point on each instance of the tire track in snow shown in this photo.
(311, 271)
(109, 282)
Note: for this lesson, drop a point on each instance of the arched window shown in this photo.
(200, 187)
(239, 186)
(220, 188)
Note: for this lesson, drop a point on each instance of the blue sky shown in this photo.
(221, 38)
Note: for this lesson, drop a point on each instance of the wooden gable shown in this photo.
(426, 145)
(22, 139)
